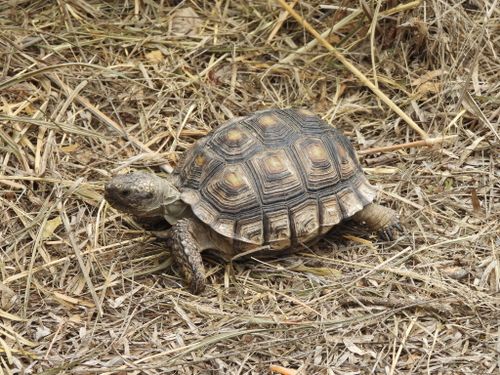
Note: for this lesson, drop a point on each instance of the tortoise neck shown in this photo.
(172, 207)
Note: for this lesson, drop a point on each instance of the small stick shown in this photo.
(402, 8)
(313, 43)
(425, 142)
(78, 253)
(281, 19)
(354, 70)
(282, 370)
(342, 23)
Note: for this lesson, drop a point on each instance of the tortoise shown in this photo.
(270, 182)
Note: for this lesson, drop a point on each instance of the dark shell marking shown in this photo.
(276, 177)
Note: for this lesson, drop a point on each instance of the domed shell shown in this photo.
(275, 177)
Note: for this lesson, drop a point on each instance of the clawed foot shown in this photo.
(390, 232)
(380, 219)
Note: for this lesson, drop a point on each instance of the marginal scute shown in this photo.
(279, 232)
(330, 212)
(205, 212)
(349, 202)
(305, 218)
(348, 166)
(365, 191)
(224, 227)
(250, 230)
(190, 197)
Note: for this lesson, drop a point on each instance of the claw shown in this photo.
(389, 233)
(385, 236)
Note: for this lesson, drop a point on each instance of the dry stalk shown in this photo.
(429, 142)
(354, 70)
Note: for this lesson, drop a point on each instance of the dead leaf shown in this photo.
(319, 271)
(185, 21)
(429, 76)
(429, 88)
(7, 297)
(476, 204)
(155, 57)
(75, 318)
(41, 332)
(70, 148)
(50, 227)
(353, 348)
(282, 370)
(333, 39)
(457, 273)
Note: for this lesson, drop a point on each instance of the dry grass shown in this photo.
(91, 88)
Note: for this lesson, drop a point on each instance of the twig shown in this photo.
(425, 142)
(282, 370)
(343, 23)
(474, 108)
(355, 71)
(304, 49)
(79, 257)
(281, 19)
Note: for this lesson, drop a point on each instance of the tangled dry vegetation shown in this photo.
(90, 89)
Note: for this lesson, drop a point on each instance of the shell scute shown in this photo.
(276, 176)
(319, 170)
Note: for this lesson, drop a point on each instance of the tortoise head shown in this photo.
(142, 194)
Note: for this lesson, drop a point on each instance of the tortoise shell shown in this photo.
(275, 177)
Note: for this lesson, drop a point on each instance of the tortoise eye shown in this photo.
(126, 192)
(148, 195)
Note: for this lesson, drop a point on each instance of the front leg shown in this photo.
(186, 255)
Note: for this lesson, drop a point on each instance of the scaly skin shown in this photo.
(377, 218)
(146, 196)
(186, 254)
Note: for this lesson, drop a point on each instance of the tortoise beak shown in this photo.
(116, 195)
(111, 193)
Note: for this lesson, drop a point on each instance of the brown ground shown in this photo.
(90, 88)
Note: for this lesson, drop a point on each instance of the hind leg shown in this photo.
(377, 218)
